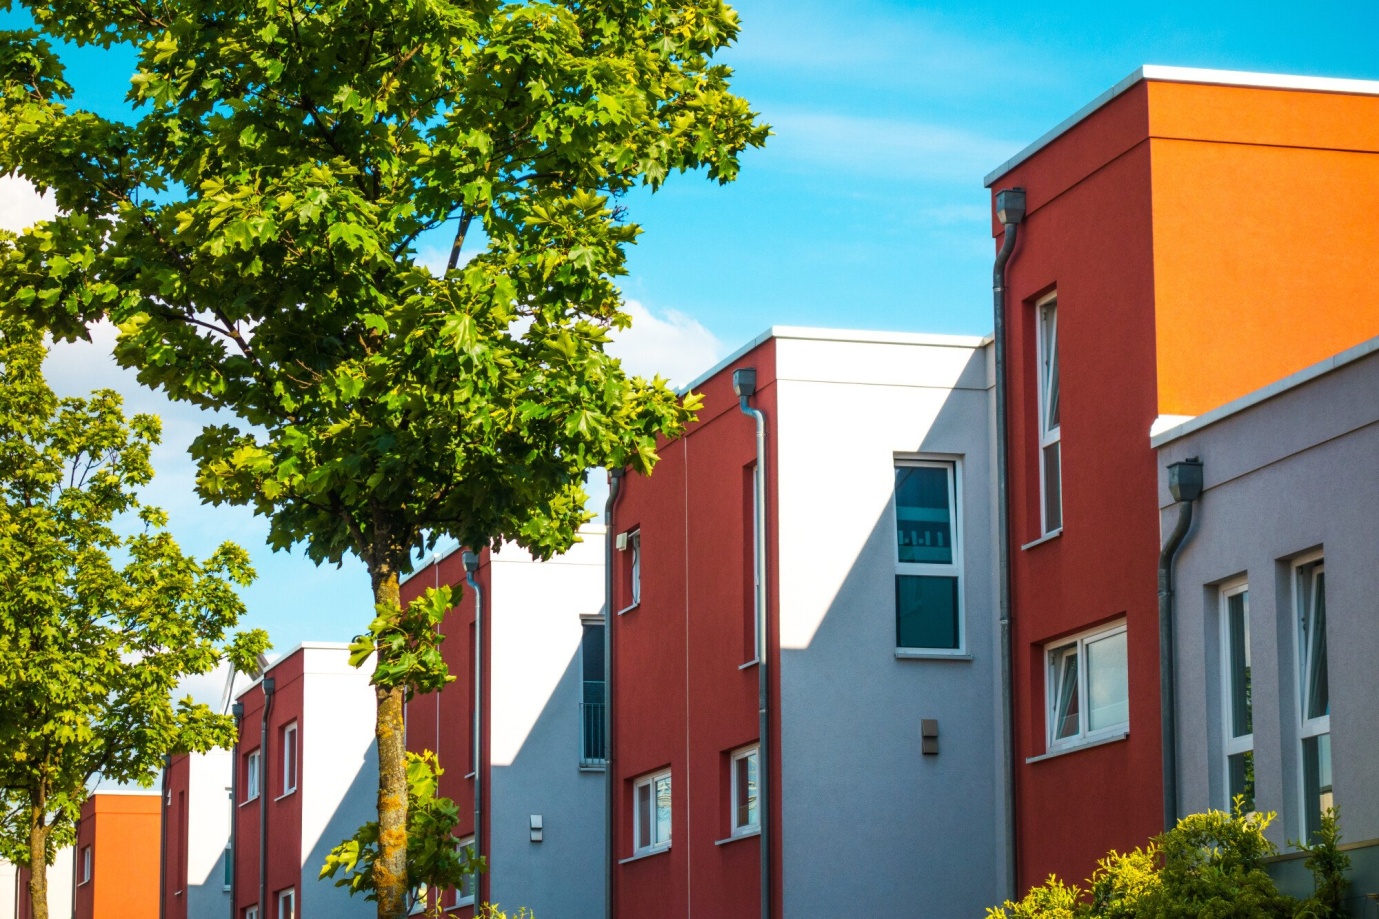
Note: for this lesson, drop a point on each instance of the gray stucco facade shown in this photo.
(871, 824)
(1290, 477)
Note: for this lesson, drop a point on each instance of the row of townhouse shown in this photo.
(905, 623)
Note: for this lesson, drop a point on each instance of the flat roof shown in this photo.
(1188, 75)
(802, 333)
(1265, 393)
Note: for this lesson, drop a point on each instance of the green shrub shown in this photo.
(1051, 900)
(1328, 865)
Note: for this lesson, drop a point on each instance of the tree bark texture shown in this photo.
(38, 862)
(390, 868)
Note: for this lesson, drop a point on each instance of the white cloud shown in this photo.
(21, 206)
(885, 148)
(209, 688)
(674, 345)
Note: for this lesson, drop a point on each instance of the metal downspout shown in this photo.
(163, 842)
(1185, 484)
(614, 486)
(238, 711)
(744, 385)
(269, 686)
(471, 565)
(1010, 210)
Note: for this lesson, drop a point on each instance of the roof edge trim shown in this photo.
(1203, 76)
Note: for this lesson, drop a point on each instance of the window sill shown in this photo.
(628, 609)
(470, 774)
(461, 904)
(592, 768)
(1042, 539)
(745, 835)
(751, 663)
(1064, 751)
(248, 801)
(287, 794)
(916, 654)
(660, 850)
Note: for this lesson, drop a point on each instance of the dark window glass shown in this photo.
(926, 612)
(923, 519)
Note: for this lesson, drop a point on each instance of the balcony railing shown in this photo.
(593, 743)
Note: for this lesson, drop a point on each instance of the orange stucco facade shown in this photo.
(122, 834)
(1262, 235)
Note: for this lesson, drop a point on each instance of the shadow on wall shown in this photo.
(560, 877)
(357, 807)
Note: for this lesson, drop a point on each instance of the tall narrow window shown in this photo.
(1088, 688)
(287, 904)
(1050, 449)
(746, 817)
(1239, 715)
(634, 566)
(592, 752)
(85, 864)
(469, 882)
(928, 568)
(1309, 587)
(651, 813)
(289, 747)
(251, 775)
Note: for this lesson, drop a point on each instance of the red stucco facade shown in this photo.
(683, 699)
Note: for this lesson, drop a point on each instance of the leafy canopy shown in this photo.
(254, 234)
(96, 628)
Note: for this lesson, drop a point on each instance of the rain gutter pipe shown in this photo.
(744, 387)
(1010, 211)
(614, 486)
(238, 711)
(1185, 484)
(269, 686)
(471, 565)
(163, 841)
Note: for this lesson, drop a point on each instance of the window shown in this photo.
(746, 817)
(289, 748)
(1239, 714)
(418, 897)
(251, 912)
(1309, 589)
(251, 775)
(1050, 449)
(85, 864)
(928, 569)
(287, 904)
(228, 876)
(1088, 688)
(651, 813)
(591, 707)
(634, 568)
(469, 882)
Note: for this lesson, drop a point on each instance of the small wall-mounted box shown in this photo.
(928, 736)
(621, 542)
(536, 829)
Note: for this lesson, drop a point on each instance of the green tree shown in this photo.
(96, 628)
(254, 236)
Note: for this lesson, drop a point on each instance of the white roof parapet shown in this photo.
(804, 333)
(1188, 75)
(1265, 393)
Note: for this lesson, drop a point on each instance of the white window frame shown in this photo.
(631, 543)
(86, 866)
(292, 757)
(639, 845)
(1308, 728)
(251, 912)
(754, 826)
(462, 898)
(288, 898)
(1048, 435)
(1084, 737)
(934, 569)
(253, 774)
(1231, 745)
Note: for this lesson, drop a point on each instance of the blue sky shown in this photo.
(865, 210)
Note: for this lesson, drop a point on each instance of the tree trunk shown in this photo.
(390, 868)
(38, 861)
